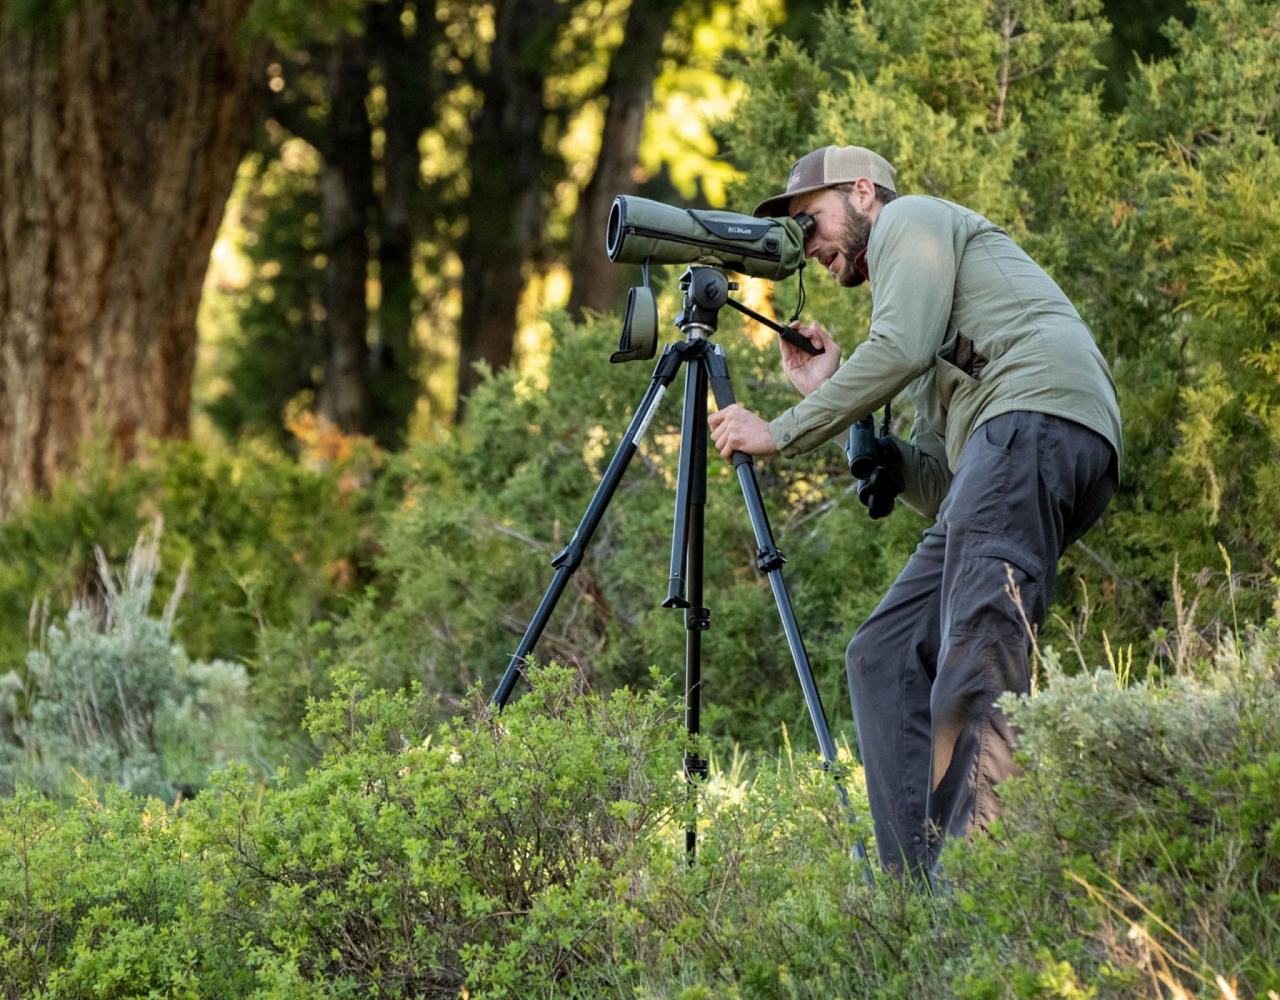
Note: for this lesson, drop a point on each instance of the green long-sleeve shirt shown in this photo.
(940, 272)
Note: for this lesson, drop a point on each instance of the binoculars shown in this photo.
(876, 464)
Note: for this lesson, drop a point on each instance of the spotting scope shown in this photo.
(642, 230)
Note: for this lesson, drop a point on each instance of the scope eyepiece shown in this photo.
(806, 222)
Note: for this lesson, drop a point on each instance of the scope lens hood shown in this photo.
(613, 231)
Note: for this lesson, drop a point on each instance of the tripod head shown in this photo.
(706, 290)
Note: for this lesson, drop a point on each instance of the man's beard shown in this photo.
(853, 243)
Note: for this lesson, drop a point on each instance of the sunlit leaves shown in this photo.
(692, 96)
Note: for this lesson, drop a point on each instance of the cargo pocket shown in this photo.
(998, 592)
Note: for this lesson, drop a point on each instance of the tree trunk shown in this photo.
(411, 103)
(119, 142)
(627, 91)
(504, 205)
(346, 198)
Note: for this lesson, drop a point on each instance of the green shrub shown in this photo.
(110, 698)
(272, 542)
(499, 853)
(1137, 857)
(540, 853)
(1150, 822)
(106, 899)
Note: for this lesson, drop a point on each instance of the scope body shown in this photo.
(640, 230)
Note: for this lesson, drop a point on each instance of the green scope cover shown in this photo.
(640, 229)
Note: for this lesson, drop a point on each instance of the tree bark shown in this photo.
(411, 108)
(627, 91)
(346, 199)
(119, 143)
(504, 204)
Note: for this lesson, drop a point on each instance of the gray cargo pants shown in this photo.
(947, 640)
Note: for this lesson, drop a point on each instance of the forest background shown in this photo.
(304, 327)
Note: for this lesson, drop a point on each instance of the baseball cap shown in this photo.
(828, 166)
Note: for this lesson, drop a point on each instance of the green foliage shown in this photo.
(282, 21)
(39, 17)
(1138, 855)
(109, 698)
(302, 22)
(107, 899)
(271, 542)
(498, 853)
(974, 102)
(1148, 818)
(1205, 233)
(540, 853)
(274, 353)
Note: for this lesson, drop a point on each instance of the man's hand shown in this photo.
(808, 371)
(735, 429)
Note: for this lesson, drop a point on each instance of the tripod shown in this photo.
(706, 291)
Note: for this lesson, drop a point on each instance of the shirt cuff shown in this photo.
(785, 431)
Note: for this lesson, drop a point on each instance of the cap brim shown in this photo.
(777, 205)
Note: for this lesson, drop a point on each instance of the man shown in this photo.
(1013, 454)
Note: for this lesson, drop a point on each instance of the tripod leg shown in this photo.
(687, 479)
(770, 561)
(570, 557)
(686, 569)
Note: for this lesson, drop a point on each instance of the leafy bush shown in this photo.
(111, 698)
(273, 542)
(106, 899)
(1138, 855)
(540, 853)
(498, 853)
(1151, 820)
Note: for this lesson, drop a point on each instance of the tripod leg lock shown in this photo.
(770, 559)
(696, 767)
(570, 555)
(698, 618)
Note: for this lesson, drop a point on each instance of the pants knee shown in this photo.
(865, 661)
(973, 673)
